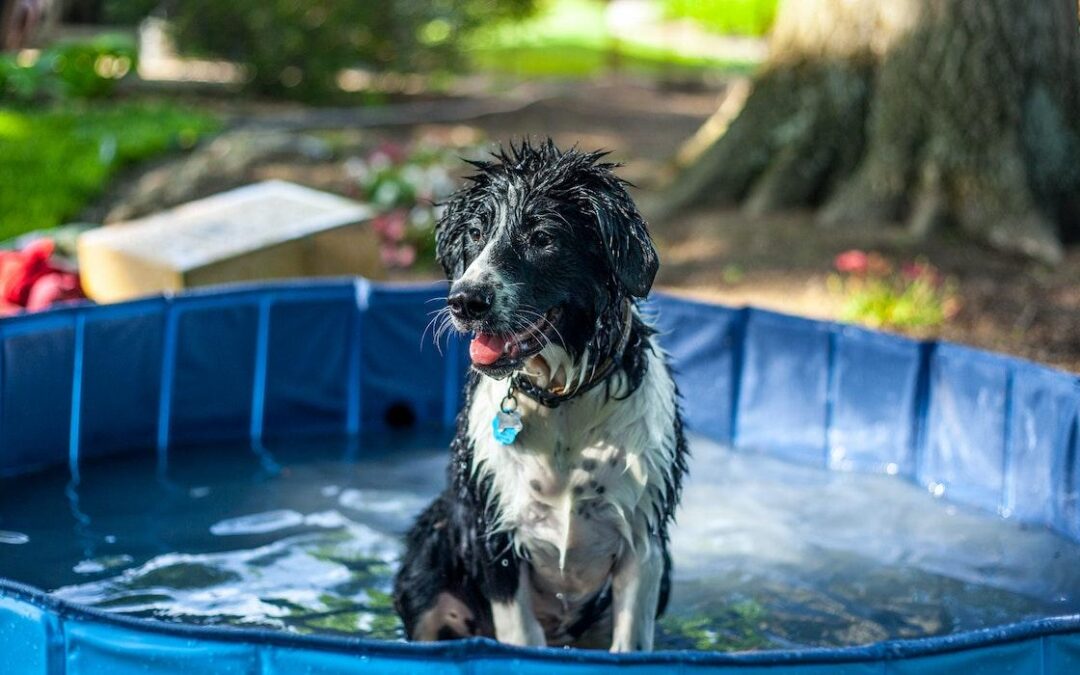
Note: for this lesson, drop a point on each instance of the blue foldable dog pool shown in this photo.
(216, 482)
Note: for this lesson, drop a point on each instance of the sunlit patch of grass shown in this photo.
(570, 38)
(54, 161)
(730, 17)
(13, 126)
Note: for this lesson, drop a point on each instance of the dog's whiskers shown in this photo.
(441, 322)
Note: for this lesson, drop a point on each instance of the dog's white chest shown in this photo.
(570, 529)
(581, 483)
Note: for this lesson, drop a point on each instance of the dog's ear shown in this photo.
(625, 237)
(450, 235)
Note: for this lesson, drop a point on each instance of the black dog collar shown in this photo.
(551, 399)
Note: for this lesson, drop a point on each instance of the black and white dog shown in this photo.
(569, 453)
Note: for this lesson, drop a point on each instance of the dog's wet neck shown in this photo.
(552, 385)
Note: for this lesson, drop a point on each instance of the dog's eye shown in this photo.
(475, 234)
(540, 238)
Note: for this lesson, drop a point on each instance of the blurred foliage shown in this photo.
(54, 160)
(730, 17)
(296, 49)
(127, 12)
(72, 69)
(877, 294)
(570, 38)
(408, 184)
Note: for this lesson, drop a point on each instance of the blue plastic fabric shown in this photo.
(337, 357)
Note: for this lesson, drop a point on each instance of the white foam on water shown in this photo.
(258, 523)
(102, 564)
(289, 579)
(13, 538)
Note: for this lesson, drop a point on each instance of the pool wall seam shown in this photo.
(737, 335)
(354, 392)
(74, 426)
(165, 388)
(261, 356)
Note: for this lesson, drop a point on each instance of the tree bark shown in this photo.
(962, 112)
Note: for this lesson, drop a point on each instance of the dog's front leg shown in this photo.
(515, 621)
(635, 588)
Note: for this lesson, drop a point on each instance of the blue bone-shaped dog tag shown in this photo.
(505, 426)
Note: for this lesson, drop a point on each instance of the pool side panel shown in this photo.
(36, 391)
(1067, 486)
(704, 342)
(875, 389)
(122, 369)
(1061, 653)
(24, 638)
(214, 374)
(307, 369)
(966, 426)
(403, 372)
(96, 649)
(783, 394)
(1044, 409)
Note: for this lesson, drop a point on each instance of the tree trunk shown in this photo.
(927, 111)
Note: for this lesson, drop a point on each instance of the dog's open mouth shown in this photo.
(497, 351)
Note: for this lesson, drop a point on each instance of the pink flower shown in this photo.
(920, 269)
(397, 256)
(395, 152)
(851, 262)
(391, 225)
(913, 270)
(406, 255)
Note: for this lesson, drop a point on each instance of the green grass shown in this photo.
(54, 161)
(569, 38)
(729, 17)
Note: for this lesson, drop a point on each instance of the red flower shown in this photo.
(852, 262)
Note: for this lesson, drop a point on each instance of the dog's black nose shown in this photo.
(470, 304)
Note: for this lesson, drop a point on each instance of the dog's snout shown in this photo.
(472, 303)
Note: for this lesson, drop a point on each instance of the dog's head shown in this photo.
(542, 249)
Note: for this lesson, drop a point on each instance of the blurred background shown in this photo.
(912, 165)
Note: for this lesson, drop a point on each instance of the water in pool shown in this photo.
(305, 539)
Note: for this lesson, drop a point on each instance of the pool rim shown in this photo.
(886, 650)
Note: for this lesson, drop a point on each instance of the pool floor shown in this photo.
(305, 538)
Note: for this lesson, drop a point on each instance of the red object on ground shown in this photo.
(30, 279)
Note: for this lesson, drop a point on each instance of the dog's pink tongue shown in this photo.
(486, 348)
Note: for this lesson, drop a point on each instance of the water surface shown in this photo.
(305, 538)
